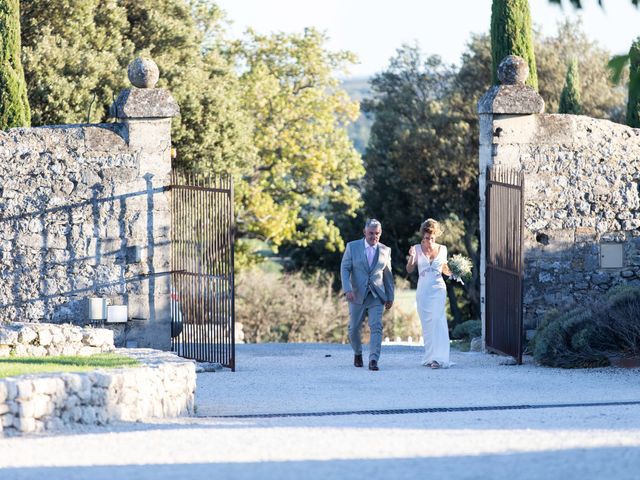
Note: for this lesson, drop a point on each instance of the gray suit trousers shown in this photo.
(373, 307)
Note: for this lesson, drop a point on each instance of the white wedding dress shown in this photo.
(430, 300)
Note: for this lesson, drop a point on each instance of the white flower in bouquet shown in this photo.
(460, 267)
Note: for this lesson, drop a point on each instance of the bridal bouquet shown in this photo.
(460, 267)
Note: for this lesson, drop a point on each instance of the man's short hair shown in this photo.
(372, 222)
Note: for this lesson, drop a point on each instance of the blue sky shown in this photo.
(374, 29)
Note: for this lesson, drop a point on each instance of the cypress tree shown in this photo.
(633, 104)
(14, 106)
(511, 34)
(570, 96)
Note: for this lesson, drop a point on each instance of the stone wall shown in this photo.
(164, 386)
(46, 339)
(581, 194)
(581, 191)
(84, 213)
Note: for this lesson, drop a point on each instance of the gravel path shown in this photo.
(586, 442)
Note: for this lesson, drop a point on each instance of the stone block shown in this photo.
(97, 337)
(25, 389)
(7, 420)
(27, 335)
(144, 103)
(24, 424)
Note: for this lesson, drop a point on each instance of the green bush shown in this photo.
(273, 307)
(468, 330)
(588, 335)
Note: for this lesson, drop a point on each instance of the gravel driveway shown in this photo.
(302, 411)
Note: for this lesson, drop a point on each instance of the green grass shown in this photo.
(12, 366)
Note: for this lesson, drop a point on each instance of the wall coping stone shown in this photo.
(144, 103)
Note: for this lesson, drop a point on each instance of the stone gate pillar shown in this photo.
(511, 99)
(146, 113)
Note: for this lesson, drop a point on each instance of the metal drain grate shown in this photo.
(406, 411)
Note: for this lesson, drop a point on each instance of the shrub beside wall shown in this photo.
(591, 334)
(287, 308)
(291, 308)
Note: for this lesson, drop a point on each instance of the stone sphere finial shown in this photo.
(513, 70)
(143, 73)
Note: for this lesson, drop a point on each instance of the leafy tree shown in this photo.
(185, 38)
(417, 161)
(422, 156)
(268, 110)
(77, 51)
(570, 97)
(14, 105)
(75, 57)
(599, 97)
(306, 162)
(633, 103)
(511, 34)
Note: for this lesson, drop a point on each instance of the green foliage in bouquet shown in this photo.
(460, 266)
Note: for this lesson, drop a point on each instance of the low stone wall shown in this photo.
(164, 386)
(46, 339)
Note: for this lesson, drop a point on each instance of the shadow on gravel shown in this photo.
(623, 417)
(618, 463)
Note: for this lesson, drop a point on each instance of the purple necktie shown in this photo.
(370, 253)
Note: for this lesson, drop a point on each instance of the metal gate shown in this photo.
(202, 280)
(504, 266)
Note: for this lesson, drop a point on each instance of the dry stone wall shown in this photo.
(84, 212)
(46, 339)
(163, 386)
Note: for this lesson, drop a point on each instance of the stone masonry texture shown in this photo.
(74, 202)
(582, 183)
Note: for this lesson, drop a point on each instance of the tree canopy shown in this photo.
(266, 109)
(14, 105)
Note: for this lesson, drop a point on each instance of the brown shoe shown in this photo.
(357, 360)
(373, 365)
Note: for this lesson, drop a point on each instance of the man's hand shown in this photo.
(350, 296)
(387, 305)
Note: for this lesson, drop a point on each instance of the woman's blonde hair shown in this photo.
(430, 226)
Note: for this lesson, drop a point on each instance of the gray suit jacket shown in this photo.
(357, 276)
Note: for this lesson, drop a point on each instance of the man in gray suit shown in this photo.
(368, 285)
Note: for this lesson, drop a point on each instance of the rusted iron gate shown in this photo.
(202, 277)
(504, 266)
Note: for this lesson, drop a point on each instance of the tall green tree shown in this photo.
(511, 34)
(633, 102)
(268, 110)
(570, 96)
(599, 97)
(14, 105)
(77, 51)
(307, 164)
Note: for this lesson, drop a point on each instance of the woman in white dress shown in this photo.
(431, 260)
